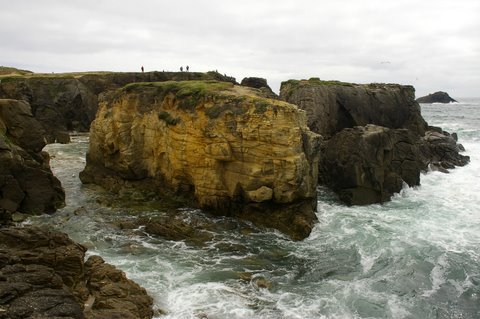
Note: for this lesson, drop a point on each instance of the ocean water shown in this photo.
(417, 256)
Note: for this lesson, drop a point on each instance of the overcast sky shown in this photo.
(431, 44)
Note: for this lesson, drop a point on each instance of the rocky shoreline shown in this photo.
(230, 149)
(43, 274)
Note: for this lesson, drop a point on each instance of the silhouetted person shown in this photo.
(187, 68)
(142, 68)
(181, 69)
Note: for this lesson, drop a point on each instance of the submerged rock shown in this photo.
(236, 152)
(437, 97)
(27, 184)
(43, 275)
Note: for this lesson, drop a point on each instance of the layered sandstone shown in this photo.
(236, 152)
(27, 184)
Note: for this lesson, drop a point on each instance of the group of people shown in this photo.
(181, 68)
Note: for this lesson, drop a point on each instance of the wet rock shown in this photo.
(43, 275)
(27, 184)
(440, 151)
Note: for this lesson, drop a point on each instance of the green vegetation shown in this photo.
(6, 70)
(261, 106)
(168, 118)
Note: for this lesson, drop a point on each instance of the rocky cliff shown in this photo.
(43, 275)
(69, 101)
(437, 97)
(376, 138)
(332, 106)
(27, 184)
(236, 152)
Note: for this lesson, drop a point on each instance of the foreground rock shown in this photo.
(69, 101)
(376, 138)
(437, 97)
(234, 151)
(27, 184)
(43, 275)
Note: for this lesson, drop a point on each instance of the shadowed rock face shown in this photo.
(236, 152)
(332, 106)
(368, 164)
(43, 275)
(27, 184)
(376, 138)
(437, 97)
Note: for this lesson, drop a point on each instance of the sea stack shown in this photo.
(236, 152)
(437, 97)
(375, 137)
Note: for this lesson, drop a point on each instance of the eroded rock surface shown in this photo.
(43, 275)
(368, 164)
(332, 106)
(27, 184)
(376, 138)
(236, 152)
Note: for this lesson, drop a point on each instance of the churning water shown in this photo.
(417, 256)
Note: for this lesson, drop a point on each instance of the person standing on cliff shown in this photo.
(181, 69)
(187, 68)
(142, 68)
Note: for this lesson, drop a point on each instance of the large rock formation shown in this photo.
(369, 163)
(66, 102)
(43, 275)
(332, 106)
(27, 184)
(437, 97)
(236, 152)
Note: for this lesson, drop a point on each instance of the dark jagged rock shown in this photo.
(332, 106)
(27, 184)
(69, 102)
(261, 84)
(440, 151)
(43, 275)
(437, 97)
(369, 164)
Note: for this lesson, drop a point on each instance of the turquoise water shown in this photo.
(417, 256)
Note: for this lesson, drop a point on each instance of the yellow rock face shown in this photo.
(227, 145)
